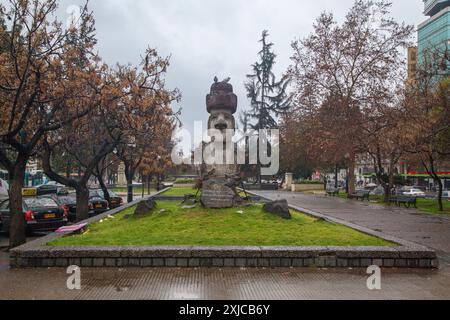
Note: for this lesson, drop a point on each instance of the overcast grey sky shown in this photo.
(212, 37)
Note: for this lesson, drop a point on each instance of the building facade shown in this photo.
(434, 32)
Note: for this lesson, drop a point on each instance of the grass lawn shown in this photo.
(179, 191)
(226, 227)
(426, 205)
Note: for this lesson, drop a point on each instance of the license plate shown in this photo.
(98, 206)
(50, 216)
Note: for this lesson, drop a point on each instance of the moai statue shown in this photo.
(220, 180)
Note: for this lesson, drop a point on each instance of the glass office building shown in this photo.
(435, 32)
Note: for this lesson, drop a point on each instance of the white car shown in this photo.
(445, 195)
(4, 187)
(415, 193)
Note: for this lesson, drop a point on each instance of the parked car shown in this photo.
(97, 204)
(46, 189)
(4, 187)
(445, 195)
(41, 214)
(66, 201)
(415, 193)
(115, 200)
(378, 191)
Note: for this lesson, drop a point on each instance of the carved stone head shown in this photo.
(221, 103)
(221, 119)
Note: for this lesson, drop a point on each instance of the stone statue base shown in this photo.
(217, 195)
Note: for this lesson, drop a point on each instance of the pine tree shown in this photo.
(268, 97)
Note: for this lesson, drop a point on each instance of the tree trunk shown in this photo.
(387, 197)
(336, 178)
(440, 192)
(149, 179)
(82, 203)
(104, 188)
(129, 175)
(351, 175)
(129, 189)
(17, 231)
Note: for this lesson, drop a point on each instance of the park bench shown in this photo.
(333, 192)
(405, 200)
(361, 195)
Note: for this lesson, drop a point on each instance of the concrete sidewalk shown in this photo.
(221, 284)
(430, 230)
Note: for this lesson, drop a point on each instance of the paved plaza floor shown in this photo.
(247, 284)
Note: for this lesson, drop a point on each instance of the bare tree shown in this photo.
(350, 66)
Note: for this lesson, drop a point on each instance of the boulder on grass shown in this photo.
(279, 208)
(145, 207)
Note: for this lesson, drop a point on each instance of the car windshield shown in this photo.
(40, 203)
(111, 194)
(94, 193)
(68, 200)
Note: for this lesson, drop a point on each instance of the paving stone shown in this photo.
(400, 263)
(252, 262)
(194, 262)
(182, 262)
(87, 262)
(110, 262)
(264, 262)
(286, 263)
(241, 262)
(146, 262)
(377, 262)
(275, 262)
(319, 262)
(297, 263)
(171, 262)
(206, 262)
(49, 263)
(425, 263)
(354, 263)
(342, 263)
(309, 262)
(388, 263)
(98, 262)
(218, 262)
(330, 262)
(134, 262)
(122, 262)
(74, 262)
(412, 263)
(229, 262)
(158, 262)
(365, 263)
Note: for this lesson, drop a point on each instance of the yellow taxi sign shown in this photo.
(29, 192)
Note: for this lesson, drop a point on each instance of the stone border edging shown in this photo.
(408, 255)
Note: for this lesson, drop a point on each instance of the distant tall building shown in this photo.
(435, 32)
(412, 66)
